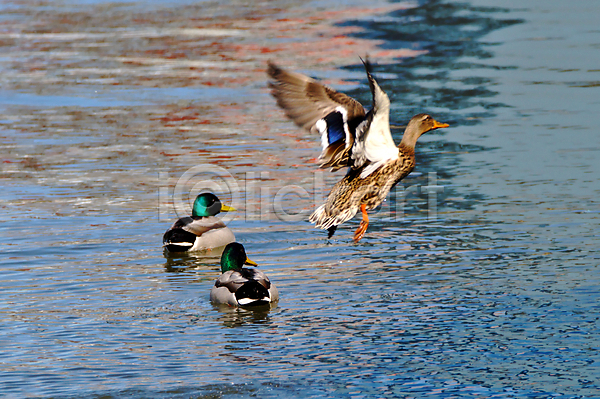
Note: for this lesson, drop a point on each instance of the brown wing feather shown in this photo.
(306, 101)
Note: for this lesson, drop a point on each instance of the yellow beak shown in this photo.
(439, 125)
(250, 262)
(225, 208)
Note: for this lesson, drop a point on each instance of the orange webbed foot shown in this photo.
(362, 229)
(360, 232)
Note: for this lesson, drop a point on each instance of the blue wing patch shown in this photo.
(335, 127)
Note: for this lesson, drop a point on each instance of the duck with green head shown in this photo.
(202, 230)
(240, 286)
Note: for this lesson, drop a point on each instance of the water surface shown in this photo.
(106, 106)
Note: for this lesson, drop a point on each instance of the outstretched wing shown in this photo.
(374, 145)
(319, 109)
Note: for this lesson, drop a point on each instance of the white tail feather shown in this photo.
(324, 221)
(247, 301)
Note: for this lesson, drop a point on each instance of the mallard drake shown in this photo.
(353, 138)
(202, 230)
(240, 286)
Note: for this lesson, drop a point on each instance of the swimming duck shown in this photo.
(239, 286)
(202, 230)
(353, 138)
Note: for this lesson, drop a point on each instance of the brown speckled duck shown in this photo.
(353, 138)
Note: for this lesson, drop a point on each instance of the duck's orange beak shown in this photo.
(439, 125)
(250, 262)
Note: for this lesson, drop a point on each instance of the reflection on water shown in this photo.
(105, 106)
(193, 260)
(237, 317)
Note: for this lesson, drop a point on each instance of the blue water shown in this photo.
(497, 296)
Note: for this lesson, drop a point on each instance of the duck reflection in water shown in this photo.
(239, 316)
(188, 261)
